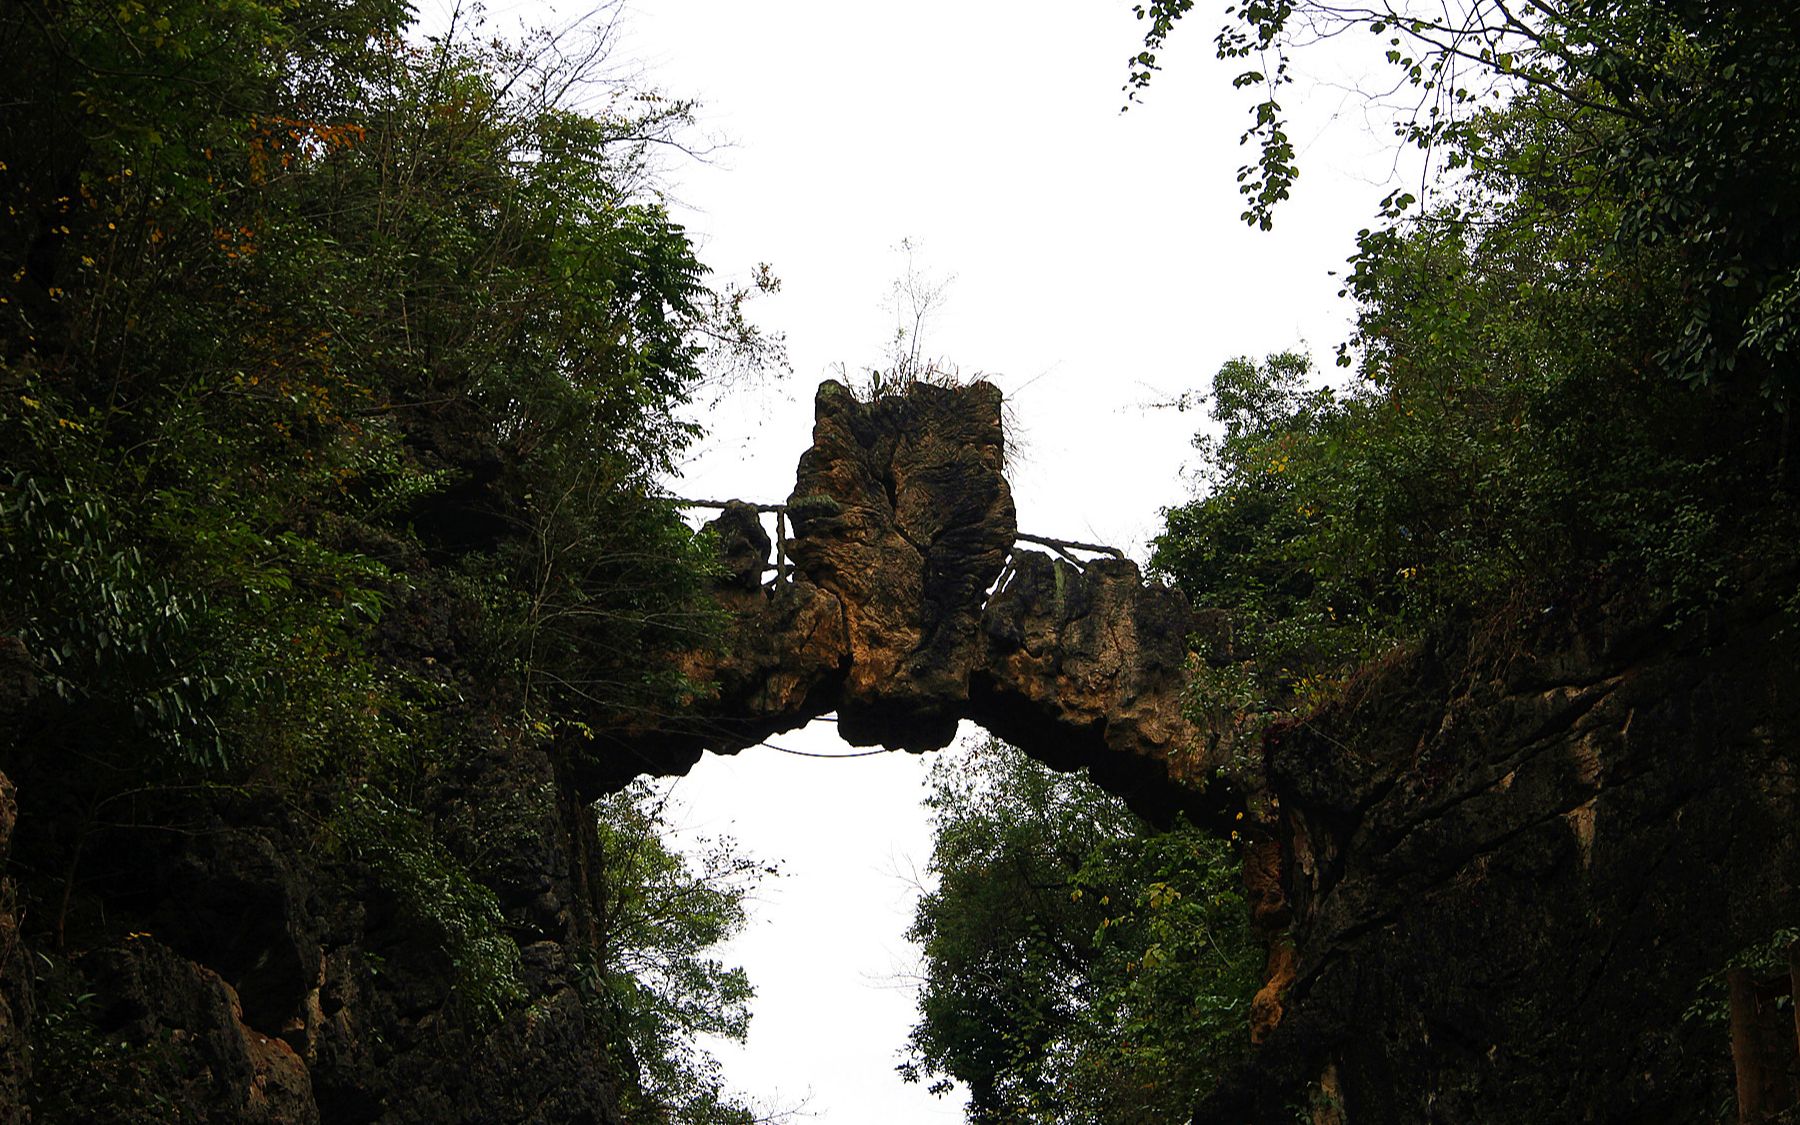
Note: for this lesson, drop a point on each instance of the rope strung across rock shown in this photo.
(811, 754)
(780, 511)
(683, 503)
(1060, 546)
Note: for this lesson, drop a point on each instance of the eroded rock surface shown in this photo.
(902, 514)
(233, 1072)
(1513, 863)
(1088, 665)
(909, 608)
(1492, 881)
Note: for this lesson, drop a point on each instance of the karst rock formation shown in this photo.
(1507, 876)
(904, 603)
(1495, 878)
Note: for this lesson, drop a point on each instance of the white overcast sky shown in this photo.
(1099, 266)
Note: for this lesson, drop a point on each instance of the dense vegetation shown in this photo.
(1079, 965)
(337, 368)
(663, 911)
(1572, 367)
(1573, 357)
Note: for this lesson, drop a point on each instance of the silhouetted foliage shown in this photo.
(338, 368)
(1079, 965)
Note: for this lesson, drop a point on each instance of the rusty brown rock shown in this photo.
(902, 512)
(1265, 886)
(1762, 1045)
(1092, 650)
(1484, 856)
(1512, 859)
(909, 610)
(239, 1073)
(743, 546)
(1278, 973)
(782, 663)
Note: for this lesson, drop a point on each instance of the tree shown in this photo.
(1672, 118)
(1514, 427)
(659, 989)
(1079, 966)
(338, 373)
(1244, 547)
(1507, 438)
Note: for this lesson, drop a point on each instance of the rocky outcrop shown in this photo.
(902, 603)
(1516, 865)
(902, 515)
(1499, 881)
(228, 1071)
(179, 1023)
(1087, 666)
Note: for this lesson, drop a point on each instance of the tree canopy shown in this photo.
(1568, 353)
(1670, 124)
(1079, 965)
(339, 367)
(1571, 369)
(655, 975)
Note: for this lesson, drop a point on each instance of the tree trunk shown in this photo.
(1764, 1050)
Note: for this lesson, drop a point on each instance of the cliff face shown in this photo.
(202, 957)
(1515, 867)
(215, 965)
(1501, 879)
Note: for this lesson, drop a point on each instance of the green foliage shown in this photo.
(655, 983)
(325, 352)
(1671, 120)
(1510, 431)
(1244, 548)
(129, 644)
(1709, 1010)
(433, 890)
(1080, 966)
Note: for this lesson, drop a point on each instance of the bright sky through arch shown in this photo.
(1099, 266)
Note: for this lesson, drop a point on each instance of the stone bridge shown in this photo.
(904, 603)
(1490, 877)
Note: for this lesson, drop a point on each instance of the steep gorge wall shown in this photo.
(215, 964)
(1515, 864)
(1500, 880)
(1495, 877)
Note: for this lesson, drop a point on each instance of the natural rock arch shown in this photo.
(903, 603)
(1447, 864)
